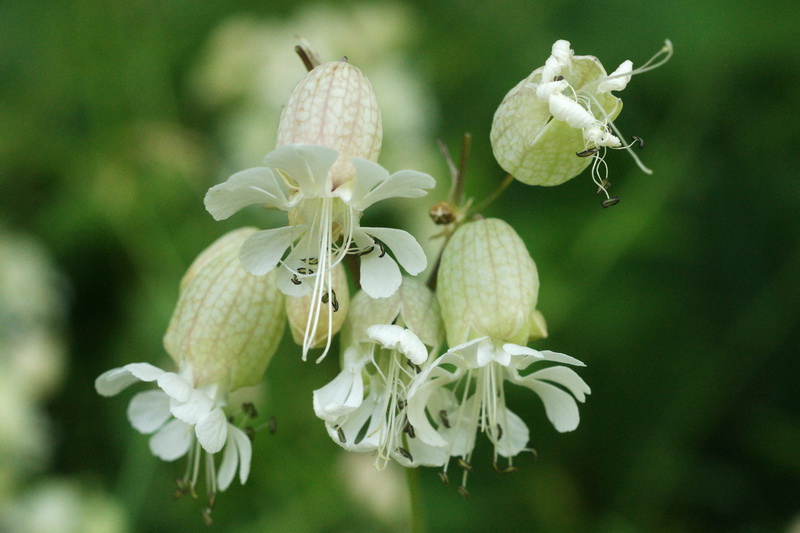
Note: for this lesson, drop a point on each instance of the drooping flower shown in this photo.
(223, 333)
(324, 175)
(488, 288)
(560, 118)
(364, 407)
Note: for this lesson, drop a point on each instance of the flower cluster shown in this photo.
(424, 365)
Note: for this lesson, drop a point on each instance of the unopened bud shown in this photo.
(487, 284)
(227, 323)
(334, 105)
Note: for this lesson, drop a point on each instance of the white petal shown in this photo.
(485, 354)
(404, 247)
(339, 397)
(149, 410)
(403, 184)
(380, 276)
(567, 378)
(175, 386)
(617, 84)
(252, 186)
(262, 250)
(245, 452)
(561, 408)
(368, 414)
(568, 110)
(238, 451)
(560, 358)
(112, 382)
(212, 430)
(172, 441)
(400, 339)
(515, 435)
(196, 406)
(306, 164)
(422, 454)
(116, 380)
(230, 460)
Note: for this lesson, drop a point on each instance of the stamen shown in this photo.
(340, 432)
(608, 202)
(250, 432)
(273, 425)
(603, 186)
(249, 409)
(409, 429)
(295, 280)
(638, 140)
(365, 251)
(405, 453)
(414, 366)
(463, 491)
(464, 465)
(444, 478)
(206, 514)
(588, 152)
(445, 420)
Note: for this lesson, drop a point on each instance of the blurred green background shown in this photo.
(683, 299)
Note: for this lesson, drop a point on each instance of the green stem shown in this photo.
(415, 497)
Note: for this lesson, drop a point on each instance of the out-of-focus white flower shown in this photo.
(183, 419)
(223, 333)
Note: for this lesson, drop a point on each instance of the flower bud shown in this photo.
(413, 306)
(332, 313)
(487, 284)
(334, 105)
(227, 323)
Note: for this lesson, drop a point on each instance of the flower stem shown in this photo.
(495, 194)
(415, 497)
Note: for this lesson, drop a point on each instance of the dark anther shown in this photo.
(365, 251)
(249, 409)
(445, 420)
(273, 425)
(382, 248)
(463, 491)
(340, 432)
(499, 432)
(410, 430)
(604, 185)
(325, 297)
(558, 78)
(401, 405)
(304, 270)
(212, 501)
(250, 432)
(414, 366)
(405, 453)
(588, 152)
(608, 202)
(495, 467)
(638, 140)
(534, 453)
(304, 57)
(509, 470)
(310, 261)
(334, 301)
(230, 419)
(463, 464)
(444, 478)
(295, 280)
(182, 489)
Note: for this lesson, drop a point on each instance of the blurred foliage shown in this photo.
(682, 299)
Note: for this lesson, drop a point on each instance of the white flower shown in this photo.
(183, 419)
(561, 117)
(323, 222)
(378, 422)
(449, 417)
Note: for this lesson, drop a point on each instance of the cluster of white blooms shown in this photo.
(402, 394)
